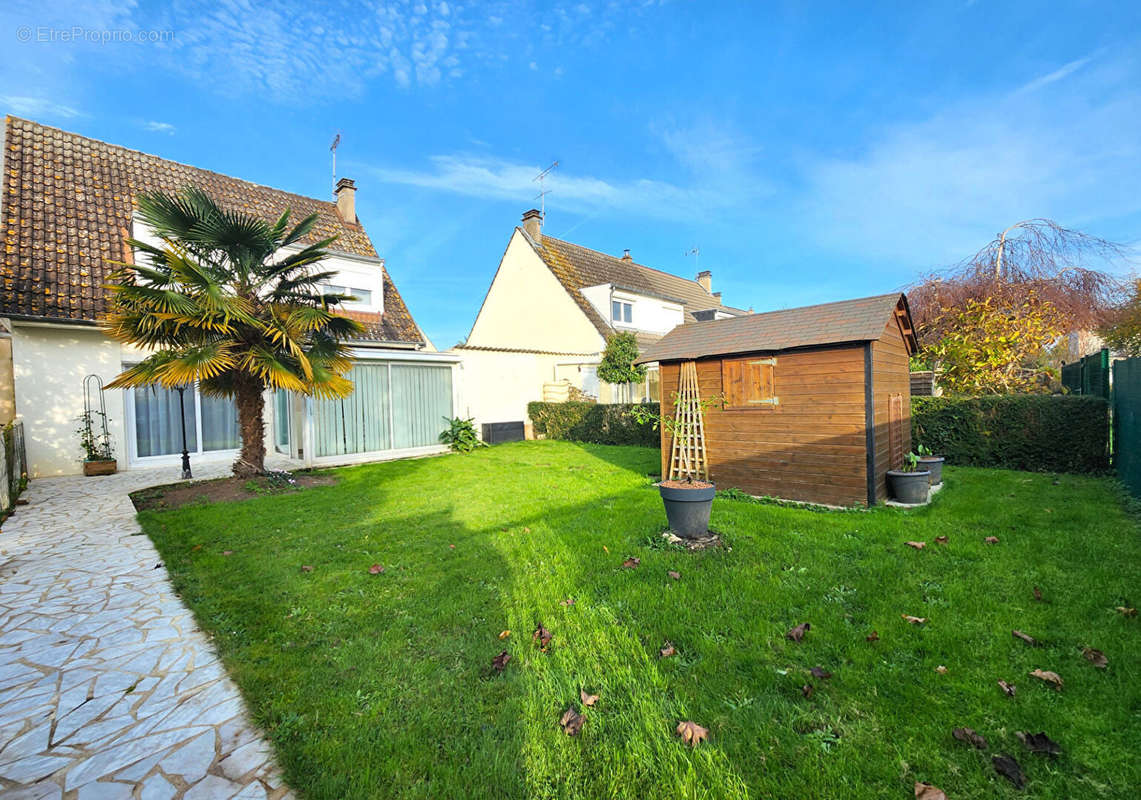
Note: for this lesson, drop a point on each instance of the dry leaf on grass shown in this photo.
(567, 602)
(1052, 678)
(1095, 657)
(631, 562)
(941, 540)
(500, 661)
(941, 669)
(227, 552)
(925, 791)
(674, 574)
(504, 634)
(970, 737)
(375, 569)
(692, 733)
(451, 547)
(1037, 594)
(991, 540)
(1007, 688)
(1039, 743)
(526, 530)
(1127, 612)
(572, 721)
(306, 567)
(797, 633)
(1030, 640)
(587, 699)
(873, 637)
(914, 620)
(606, 549)
(916, 545)
(667, 650)
(542, 636)
(807, 690)
(820, 672)
(1008, 768)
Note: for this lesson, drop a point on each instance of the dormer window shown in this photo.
(621, 312)
(363, 296)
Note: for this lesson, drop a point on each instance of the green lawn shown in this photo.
(376, 686)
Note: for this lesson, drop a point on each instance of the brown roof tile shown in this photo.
(830, 323)
(67, 206)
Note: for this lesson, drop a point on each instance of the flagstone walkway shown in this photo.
(108, 689)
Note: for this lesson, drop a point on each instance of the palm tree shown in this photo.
(222, 303)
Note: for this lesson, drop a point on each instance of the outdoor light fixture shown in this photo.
(182, 423)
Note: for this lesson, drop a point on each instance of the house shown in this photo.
(544, 322)
(815, 402)
(68, 207)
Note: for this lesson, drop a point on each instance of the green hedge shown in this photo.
(1041, 433)
(592, 422)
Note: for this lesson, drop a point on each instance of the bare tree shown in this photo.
(1034, 257)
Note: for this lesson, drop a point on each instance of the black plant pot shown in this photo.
(909, 487)
(688, 509)
(934, 464)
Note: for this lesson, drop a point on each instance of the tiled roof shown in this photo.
(579, 267)
(68, 203)
(830, 323)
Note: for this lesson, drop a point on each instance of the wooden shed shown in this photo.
(816, 401)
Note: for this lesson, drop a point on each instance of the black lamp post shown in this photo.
(182, 422)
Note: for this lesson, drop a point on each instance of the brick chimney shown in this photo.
(346, 194)
(705, 280)
(717, 296)
(533, 224)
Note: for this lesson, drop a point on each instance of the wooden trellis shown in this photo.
(687, 456)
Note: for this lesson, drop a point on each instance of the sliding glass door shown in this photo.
(211, 423)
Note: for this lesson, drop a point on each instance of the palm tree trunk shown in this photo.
(251, 403)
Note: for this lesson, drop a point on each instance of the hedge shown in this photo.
(1040, 433)
(596, 423)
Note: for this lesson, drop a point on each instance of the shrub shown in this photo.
(592, 422)
(460, 435)
(1041, 433)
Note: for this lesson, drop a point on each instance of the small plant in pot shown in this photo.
(909, 484)
(98, 454)
(932, 463)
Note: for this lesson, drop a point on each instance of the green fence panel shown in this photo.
(1072, 377)
(1127, 422)
(1088, 375)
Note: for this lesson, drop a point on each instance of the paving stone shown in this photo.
(191, 761)
(212, 788)
(105, 791)
(156, 787)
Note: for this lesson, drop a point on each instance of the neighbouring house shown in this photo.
(68, 207)
(544, 322)
(815, 401)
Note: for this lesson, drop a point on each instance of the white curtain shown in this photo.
(157, 432)
(219, 424)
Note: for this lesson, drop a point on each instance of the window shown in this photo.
(211, 423)
(749, 382)
(620, 312)
(363, 296)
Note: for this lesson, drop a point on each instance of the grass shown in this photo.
(380, 686)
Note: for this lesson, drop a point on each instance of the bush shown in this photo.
(460, 435)
(1041, 433)
(592, 422)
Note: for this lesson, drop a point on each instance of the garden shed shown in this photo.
(815, 402)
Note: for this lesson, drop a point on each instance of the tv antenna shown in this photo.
(333, 150)
(542, 195)
(696, 253)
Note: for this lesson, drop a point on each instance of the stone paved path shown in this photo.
(108, 689)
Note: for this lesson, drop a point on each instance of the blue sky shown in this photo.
(812, 152)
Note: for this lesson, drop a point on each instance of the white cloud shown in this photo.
(1062, 72)
(37, 107)
(160, 127)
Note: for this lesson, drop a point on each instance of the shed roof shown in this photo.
(809, 326)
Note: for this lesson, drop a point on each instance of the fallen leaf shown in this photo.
(526, 530)
(941, 540)
(572, 721)
(504, 634)
(1030, 640)
(542, 636)
(797, 633)
(227, 552)
(1039, 743)
(1007, 688)
(820, 672)
(914, 620)
(376, 569)
(1127, 612)
(1095, 657)
(631, 562)
(675, 575)
(607, 549)
(567, 602)
(1052, 678)
(196, 548)
(970, 737)
(667, 650)
(873, 637)
(1008, 768)
(500, 661)
(991, 540)
(587, 699)
(807, 690)
(916, 545)
(942, 670)
(451, 547)
(306, 567)
(1037, 594)
(925, 791)
(692, 733)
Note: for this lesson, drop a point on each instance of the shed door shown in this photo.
(895, 431)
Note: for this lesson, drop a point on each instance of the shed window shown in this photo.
(749, 382)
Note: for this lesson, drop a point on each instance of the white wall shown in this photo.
(650, 314)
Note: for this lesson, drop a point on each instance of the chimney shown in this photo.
(717, 297)
(705, 279)
(346, 194)
(626, 255)
(533, 224)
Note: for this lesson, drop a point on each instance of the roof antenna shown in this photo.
(696, 253)
(542, 195)
(333, 150)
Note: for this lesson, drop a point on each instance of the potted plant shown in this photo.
(933, 463)
(909, 484)
(98, 454)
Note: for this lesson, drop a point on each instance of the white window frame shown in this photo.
(135, 460)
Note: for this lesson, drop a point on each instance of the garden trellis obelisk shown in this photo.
(687, 456)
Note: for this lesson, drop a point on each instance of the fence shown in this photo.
(1127, 422)
(13, 466)
(1088, 375)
